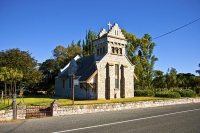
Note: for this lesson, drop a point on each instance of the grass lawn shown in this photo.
(47, 100)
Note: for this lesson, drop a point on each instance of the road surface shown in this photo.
(183, 118)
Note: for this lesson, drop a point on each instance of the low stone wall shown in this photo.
(81, 109)
(6, 115)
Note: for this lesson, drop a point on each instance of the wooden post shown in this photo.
(2, 96)
(72, 89)
(14, 107)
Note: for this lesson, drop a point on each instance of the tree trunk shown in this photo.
(5, 91)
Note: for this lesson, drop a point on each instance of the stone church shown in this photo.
(107, 74)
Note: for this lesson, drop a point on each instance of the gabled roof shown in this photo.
(86, 67)
(114, 31)
(64, 74)
(85, 64)
(75, 58)
(88, 73)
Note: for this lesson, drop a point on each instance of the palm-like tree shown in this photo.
(4, 77)
(198, 71)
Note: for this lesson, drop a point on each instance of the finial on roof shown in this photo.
(109, 25)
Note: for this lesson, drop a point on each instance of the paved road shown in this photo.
(174, 119)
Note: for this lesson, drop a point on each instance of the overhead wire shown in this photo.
(176, 29)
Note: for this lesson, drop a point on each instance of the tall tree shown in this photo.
(50, 70)
(4, 77)
(186, 80)
(72, 51)
(159, 80)
(60, 55)
(79, 43)
(15, 76)
(198, 71)
(171, 78)
(88, 48)
(140, 53)
(22, 61)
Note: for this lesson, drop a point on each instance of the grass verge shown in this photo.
(47, 100)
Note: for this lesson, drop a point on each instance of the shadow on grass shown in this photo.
(42, 96)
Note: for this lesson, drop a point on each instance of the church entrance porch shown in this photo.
(90, 90)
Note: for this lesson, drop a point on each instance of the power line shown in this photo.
(176, 29)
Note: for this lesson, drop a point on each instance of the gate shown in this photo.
(38, 111)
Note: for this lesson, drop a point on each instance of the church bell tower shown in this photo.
(112, 42)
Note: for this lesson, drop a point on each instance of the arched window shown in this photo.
(120, 50)
(100, 51)
(113, 50)
(116, 76)
(116, 50)
(104, 50)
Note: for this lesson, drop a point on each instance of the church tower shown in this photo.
(111, 42)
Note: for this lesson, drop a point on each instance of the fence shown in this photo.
(38, 111)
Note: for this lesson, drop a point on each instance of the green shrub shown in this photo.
(145, 93)
(168, 94)
(197, 89)
(187, 93)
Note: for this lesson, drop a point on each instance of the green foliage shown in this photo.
(167, 94)
(159, 80)
(187, 80)
(171, 78)
(198, 71)
(187, 93)
(140, 53)
(63, 55)
(87, 46)
(197, 90)
(22, 62)
(50, 71)
(60, 56)
(145, 93)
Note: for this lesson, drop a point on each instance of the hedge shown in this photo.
(145, 93)
(168, 94)
(197, 89)
(187, 93)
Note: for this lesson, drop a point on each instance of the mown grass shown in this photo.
(47, 100)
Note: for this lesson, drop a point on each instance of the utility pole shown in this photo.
(14, 106)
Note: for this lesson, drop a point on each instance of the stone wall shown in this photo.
(6, 115)
(81, 109)
(59, 90)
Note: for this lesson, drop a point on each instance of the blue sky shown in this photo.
(38, 26)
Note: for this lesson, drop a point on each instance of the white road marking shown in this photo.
(114, 123)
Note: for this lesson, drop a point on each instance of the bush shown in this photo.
(197, 89)
(187, 93)
(168, 94)
(145, 93)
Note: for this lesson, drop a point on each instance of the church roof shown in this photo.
(64, 75)
(86, 67)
